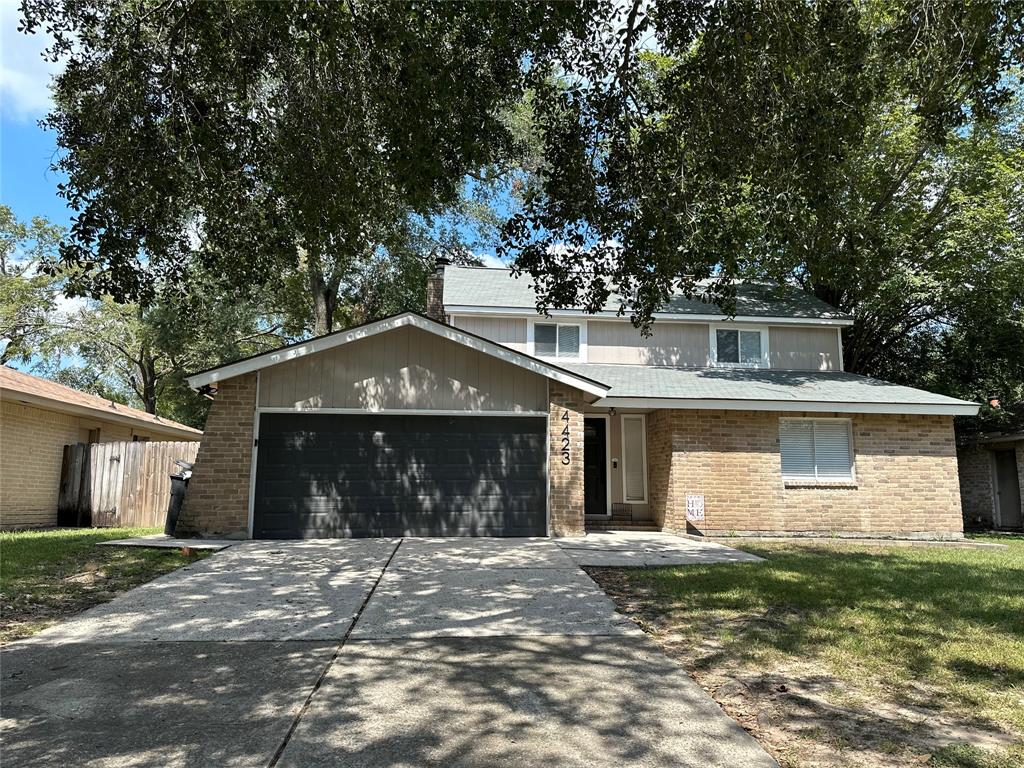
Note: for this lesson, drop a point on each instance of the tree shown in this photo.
(141, 355)
(867, 151)
(280, 135)
(27, 296)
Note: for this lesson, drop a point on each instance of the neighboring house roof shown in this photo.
(987, 438)
(644, 386)
(468, 289)
(43, 393)
(413, 319)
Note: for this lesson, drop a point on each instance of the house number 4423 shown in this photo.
(565, 437)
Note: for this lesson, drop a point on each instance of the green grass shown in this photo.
(888, 619)
(48, 575)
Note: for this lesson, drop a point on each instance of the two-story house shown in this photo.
(487, 418)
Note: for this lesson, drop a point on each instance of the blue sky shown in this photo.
(26, 151)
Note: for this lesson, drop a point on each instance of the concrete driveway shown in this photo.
(454, 652)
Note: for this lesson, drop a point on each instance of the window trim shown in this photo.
(816, 480)
(581, 356)
(713, 345)
(622, 434)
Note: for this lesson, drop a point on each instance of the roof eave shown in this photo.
(62, 406)
(954, 408)
(473, 309)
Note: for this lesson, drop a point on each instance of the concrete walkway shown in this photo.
(455, 652)
(629, 549)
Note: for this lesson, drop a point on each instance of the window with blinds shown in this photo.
(556, 340)
(816, 449)
(634, 458)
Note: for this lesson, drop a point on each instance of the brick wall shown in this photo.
(975, 470)
(905, 468)
(662, 482)
(217, 502)
(31, 447)
(32, 444)
(565, 499)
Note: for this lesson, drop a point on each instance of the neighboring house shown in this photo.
(991, 479)
(492, 420)
(38, 418)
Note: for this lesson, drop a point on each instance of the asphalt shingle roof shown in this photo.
(646, 381)
(489, 287)
(13, 382)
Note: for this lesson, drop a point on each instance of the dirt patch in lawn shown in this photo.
(799, 710)
(49, 576)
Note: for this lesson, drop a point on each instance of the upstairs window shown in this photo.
(741, 348)
(556, 340)
(816, 449)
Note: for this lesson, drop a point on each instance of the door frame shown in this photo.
(997, 510)
(607, 461)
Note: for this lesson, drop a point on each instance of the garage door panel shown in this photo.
(321, 475)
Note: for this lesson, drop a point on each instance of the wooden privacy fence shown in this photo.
(119, 484)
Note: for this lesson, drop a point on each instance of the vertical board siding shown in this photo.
(803, 349)
(671, 344)
(510, 331)
(404, 369)
(119, 484)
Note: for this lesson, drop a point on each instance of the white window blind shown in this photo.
(816, 449)
(634, 459)
(568, 341)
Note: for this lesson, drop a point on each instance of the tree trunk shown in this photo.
(325, 300)
(147, 382)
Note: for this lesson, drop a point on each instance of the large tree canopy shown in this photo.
(870, 151)
(277, 135)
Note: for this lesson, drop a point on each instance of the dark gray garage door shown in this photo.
(330, 475)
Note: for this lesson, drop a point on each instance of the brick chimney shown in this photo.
(435, 290)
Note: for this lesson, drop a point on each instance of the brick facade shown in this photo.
(32, 441)
(906, 479)
(565, 478)
(217, 502)
(974, 465)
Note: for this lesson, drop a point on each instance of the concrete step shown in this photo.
(620, 525)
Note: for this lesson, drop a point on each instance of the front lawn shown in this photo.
(48, 575)
(836, 654)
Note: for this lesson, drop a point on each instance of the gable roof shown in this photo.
(404, 319)
(647, 386)
(468, 289)
(43, 393)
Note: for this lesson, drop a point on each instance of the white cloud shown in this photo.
(24, 74)
(69, 305)
(490, 260)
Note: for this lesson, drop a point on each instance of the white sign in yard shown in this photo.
(694, 508)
